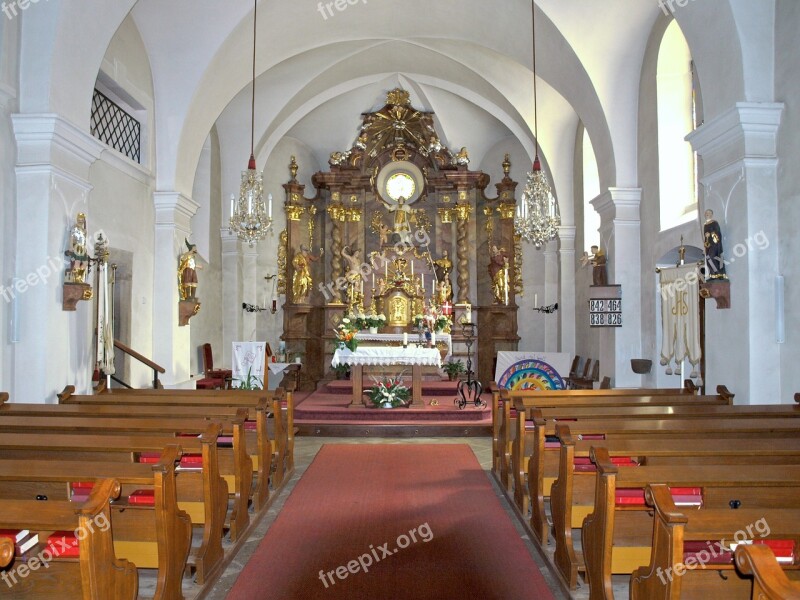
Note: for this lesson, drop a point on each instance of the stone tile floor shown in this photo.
(306, 449)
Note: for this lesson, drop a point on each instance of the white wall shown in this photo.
(787, 89)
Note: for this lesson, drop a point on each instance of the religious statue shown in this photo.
(187, 272)
(78, 252)
(302, 282)
(402, 225)
(383, 232)
(462, 158)
(443, 267)
(599, 260)
(498, 272)
(712, 242)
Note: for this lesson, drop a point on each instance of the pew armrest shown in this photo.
(769, 580)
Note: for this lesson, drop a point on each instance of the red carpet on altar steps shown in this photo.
(392, 521)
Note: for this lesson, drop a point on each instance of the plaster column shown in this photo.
(462, 251)
(249, 291)
(739, 150)
(620, 234)
(171, 343)
(566, 299)
(231, 294)
(50, 348)
(550, 296)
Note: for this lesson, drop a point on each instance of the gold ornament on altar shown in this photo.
(302, 282)
(283, 246)
(498, 272)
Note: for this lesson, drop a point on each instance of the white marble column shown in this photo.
(171, 343)
(52, 348)
(231, 293)
(620, 235)
(551, 295)
(566, 299)
(739, 151)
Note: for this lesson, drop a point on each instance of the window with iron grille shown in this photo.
(112, 125)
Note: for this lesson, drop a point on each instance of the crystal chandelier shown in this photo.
(250, 218)
(538, 218)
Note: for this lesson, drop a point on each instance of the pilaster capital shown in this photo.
(619, 205)
(173, 209)
(51, 140)
(746, 130)
(230, 242)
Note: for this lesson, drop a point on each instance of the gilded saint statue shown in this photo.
(187, 272)
(443, 267)
(712, 242)
(402, 220)
(302, 282)
(498, 272)
(78, 252)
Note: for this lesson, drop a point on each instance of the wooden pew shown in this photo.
(539, 466)
(157, 537)
(671, 576)
(522, 441)
(284, 428)
(202, 494)
(96, 575)
(618, 539)
(504, 419)
(259, 446)
(235, 463)
(572, 494)
(769, 579)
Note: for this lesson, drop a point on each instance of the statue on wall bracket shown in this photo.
(188, 306)
(75, 286)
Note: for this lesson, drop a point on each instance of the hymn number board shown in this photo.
(605, 306)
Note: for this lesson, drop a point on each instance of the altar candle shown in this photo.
(233, 201)
(405, 339)
(433, 288)
(412, 268)
(373, 280)
(433, 339)
(270, 206)
(506, 285)
(536, 301)
(386, 270)
(423, 282)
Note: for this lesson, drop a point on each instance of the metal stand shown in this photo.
(469, 391)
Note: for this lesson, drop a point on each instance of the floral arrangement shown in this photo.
(432, 320)
(346, 334)
(362, 321)
(390, 392)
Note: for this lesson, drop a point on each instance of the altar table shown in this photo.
(368, 356)
(397, 338)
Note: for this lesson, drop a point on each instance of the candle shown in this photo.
(270, 206)
(412, 268)
(468, 315)
(233, 203)
(423, 282)
(536, 301)
(373, 280)
(405, 339)
(506, 284)
(433, 339)
(433, 288)
(386, 270)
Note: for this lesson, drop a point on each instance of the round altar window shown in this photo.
(399, 185)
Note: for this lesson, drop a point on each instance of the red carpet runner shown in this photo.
(392, 521)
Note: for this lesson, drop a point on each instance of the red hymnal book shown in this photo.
(64, 544)
(143, 497)
(592, 436)
(530, 425)
(192, 461)
(250, 426)
(683, 496)
(82, 485)
(583, 464)
(629, 496)
(149, 457)
(782, 549)
(709, 551)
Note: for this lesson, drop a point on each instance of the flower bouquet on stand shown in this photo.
(346, 334)
(389, 392)
(375, 322)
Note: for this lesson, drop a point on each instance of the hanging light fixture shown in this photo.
(250, 218)
(538, 218)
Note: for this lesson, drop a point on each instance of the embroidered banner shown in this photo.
(680, 317)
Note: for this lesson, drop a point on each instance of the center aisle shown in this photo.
(392, 521)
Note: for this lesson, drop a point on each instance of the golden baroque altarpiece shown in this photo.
(398, 223)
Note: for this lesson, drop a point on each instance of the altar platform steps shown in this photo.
(327, 413)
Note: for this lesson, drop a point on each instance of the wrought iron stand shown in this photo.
(469, 391)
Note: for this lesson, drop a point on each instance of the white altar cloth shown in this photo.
(387, 356)
(398, 337)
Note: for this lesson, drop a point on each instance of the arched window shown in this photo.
(676, 118)
(591, 189)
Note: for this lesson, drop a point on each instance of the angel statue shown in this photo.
(187, 273)
(78, 252)
(402, 225)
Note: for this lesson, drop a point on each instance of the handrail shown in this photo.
(146, 361)
(139, 357)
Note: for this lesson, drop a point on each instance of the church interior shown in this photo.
(552, 238)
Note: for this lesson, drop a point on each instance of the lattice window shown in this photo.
(112, 125)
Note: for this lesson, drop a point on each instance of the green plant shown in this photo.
(390, 391)
(251, 383)
(453, 368)
(341, 371)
